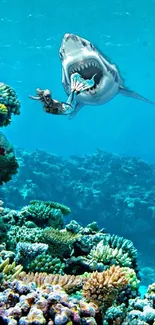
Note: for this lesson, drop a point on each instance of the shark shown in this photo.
(79, 55)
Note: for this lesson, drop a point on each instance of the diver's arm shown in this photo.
(34, 97)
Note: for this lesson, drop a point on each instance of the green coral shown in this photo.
(45, 263)
(8, 162)
(9, 104)
(23, 234)
(45, 213)
(108, 255)
(59, 241)
(55, 205)
(119, 242)
(114, 250)
(130, 274)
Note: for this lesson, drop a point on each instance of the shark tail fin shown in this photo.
(133, 94)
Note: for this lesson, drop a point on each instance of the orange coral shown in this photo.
(68, 282)
(103, 288)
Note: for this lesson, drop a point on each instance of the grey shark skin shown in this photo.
(79, 55)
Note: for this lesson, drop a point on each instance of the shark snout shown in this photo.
(71, 43)
(69, 36)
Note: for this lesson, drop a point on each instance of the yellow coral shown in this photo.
(102, 288)
(151, 289)
(3, 109)
(10, 271)
(68, 282)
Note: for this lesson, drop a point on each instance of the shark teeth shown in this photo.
(87, 68)
(79, 67)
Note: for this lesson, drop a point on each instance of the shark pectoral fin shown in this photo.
(76, 110)
(133, 94)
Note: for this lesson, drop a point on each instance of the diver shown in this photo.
(51, 105)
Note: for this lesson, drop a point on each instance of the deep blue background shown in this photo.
(30, 37)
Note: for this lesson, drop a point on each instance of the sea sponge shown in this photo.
(59, 241)
(9, 104)
(102, 288)
(69, 283)
(8, 162)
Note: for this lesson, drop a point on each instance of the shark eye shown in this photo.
(83, 43)
(61, 56)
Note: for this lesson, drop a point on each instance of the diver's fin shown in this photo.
(133, 94)
(76, 110)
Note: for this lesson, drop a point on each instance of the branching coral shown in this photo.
(107, 255)
(102, 288)
(9, 271)
(26, 252)
(54, 205)
(44, 213)
(115, 250)
(119, 242)
(23, 234)
(8, 161)
(59, 241)
(9, 104)
(69, 283)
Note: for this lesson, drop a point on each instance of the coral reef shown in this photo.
(9, 104)
(117, 191)
(8, 162)
(69, 274)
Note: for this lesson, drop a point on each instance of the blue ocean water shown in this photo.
(30, 38)
(31, 34)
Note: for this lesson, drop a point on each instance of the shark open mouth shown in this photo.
(87, 69)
